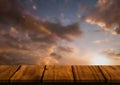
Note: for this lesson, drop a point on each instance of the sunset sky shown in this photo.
(60, 32)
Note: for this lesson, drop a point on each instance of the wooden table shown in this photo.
(61, 74)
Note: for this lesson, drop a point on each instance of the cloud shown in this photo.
(106, 14)
(49, 61)
(29, 40)
(28, 22)
(100, 30)
(56, 56)
(97, 41)
(106, 40)
(65, 49)
(13, 58)
(33, 56)
(112, 53)
(23, 21)
(10, 9)
(65, 32)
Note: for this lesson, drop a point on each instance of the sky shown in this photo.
(60, 32)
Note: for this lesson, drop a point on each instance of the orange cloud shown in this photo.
(97, 41)
(106, 14)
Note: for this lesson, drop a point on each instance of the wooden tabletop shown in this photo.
(47, 74)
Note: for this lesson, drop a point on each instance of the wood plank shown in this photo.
(7, 71)
(87, 74)
(28, 73)
(58, 74)
(112, 73)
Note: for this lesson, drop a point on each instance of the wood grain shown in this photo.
(58, 74)
(28, 73)
(7, 71)
(87, 74)
(33, 73)
(112, 73)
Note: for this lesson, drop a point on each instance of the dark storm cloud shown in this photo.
(106, 14)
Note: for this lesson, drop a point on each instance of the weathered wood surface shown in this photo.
(7, 71)
(43, 74)
(88, 74)
(112, 73)
(58, 73)
(28, 73)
